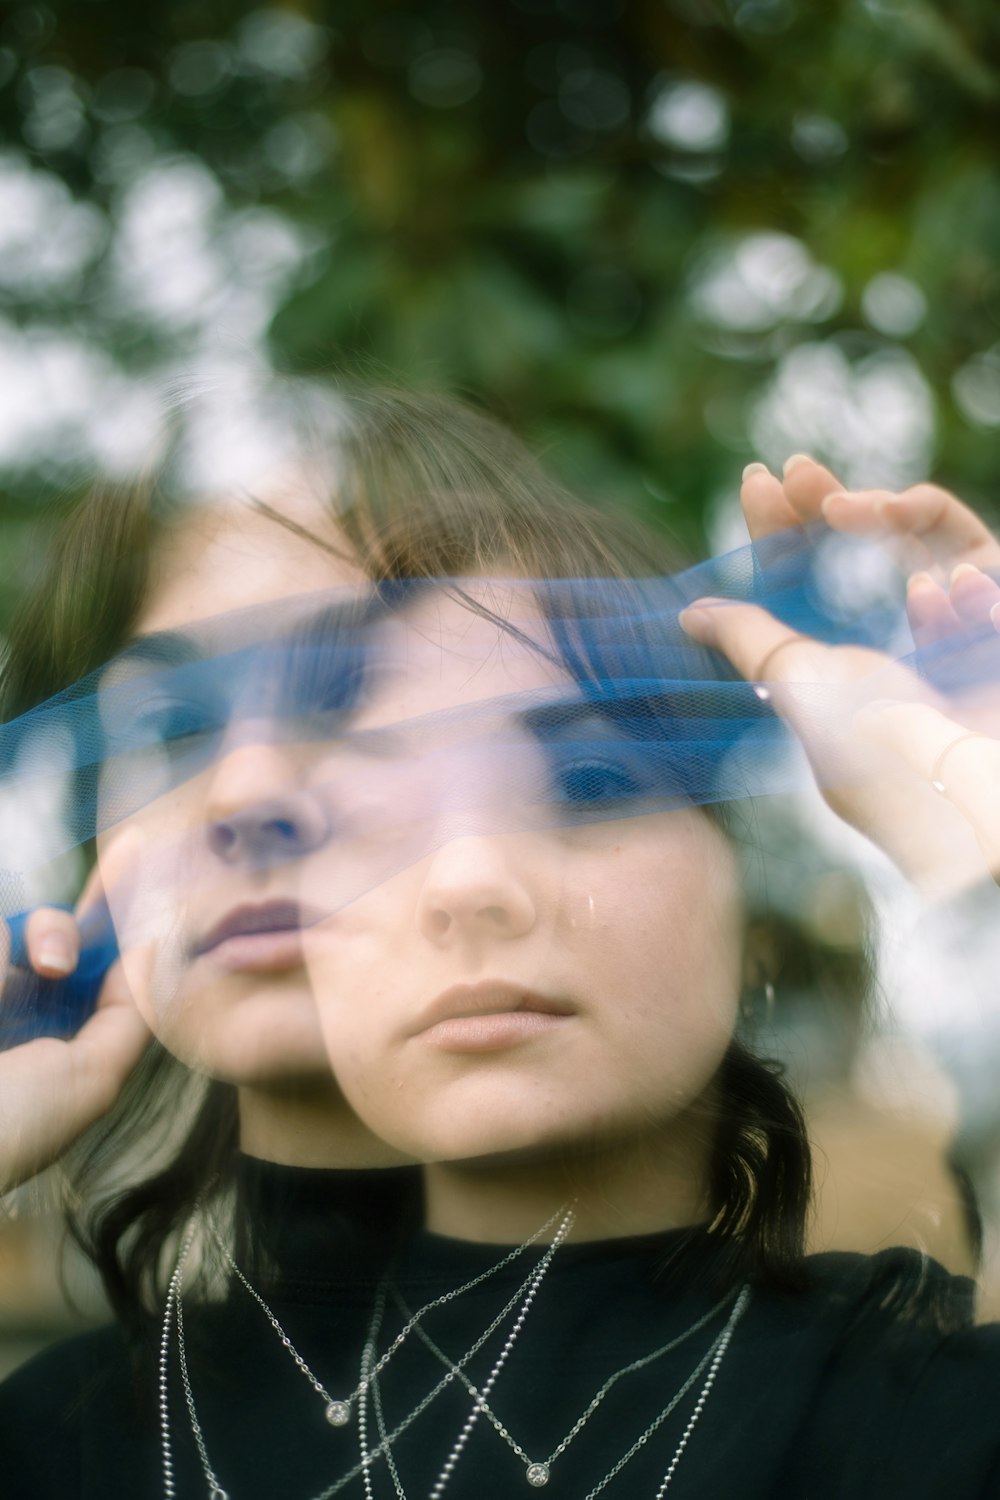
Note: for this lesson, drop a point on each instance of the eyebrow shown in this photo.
(385, 742)
(170, 648)
(541, 721)
(547, 721)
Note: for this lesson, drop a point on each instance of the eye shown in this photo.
(596, 782)
(320, 677)
(174, 724)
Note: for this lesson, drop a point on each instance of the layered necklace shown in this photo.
(338, 1410)
(539, 1472)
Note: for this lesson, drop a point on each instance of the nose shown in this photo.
(256, 813)
(473, 890)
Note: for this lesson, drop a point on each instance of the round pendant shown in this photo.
(338, 1413)
(537, 1475)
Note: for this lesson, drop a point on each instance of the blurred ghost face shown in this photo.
(492, 980)
(200, 883)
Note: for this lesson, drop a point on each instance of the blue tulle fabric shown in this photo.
(639, 719)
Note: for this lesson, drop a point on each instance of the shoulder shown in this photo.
(904, 1399)
(52, 1406)
(897, 1288)
(61, 1367)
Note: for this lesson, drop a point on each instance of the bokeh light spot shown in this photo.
(893, 304)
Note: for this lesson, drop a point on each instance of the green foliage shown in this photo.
(660, 237)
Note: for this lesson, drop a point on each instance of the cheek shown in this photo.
(669, 902)
(155, 883)
(660, 918)
(353, 961)
(153, 865)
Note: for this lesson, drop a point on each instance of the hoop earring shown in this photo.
(757, 1006)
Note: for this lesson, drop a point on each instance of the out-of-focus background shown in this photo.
(658, 237)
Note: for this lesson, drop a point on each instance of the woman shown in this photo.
(542, 1009)
(749, 1125)
(139, 566)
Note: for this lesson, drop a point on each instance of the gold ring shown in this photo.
(936, 781)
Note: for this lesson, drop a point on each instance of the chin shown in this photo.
(257, 1050)
(512, 1136)
(514, 1139)
(290, 1071)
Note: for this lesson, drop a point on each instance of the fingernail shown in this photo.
(920, 581)
(995, 616)
(793, 459)
(57, 954)
(836, 495)
(964, 570)
(695, 619)
(755, 468)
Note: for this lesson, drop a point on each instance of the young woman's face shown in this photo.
(507, 991)
(202, 895)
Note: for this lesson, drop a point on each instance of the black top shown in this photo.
(833, 1391)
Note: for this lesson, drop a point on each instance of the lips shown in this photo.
(488, 998)
(250, 921)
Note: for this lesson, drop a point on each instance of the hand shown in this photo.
(959, 764)
(947, 598)
(863, 778)
(933, 535)
(52, 1090)
(819, 691)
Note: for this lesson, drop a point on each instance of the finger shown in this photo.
(806, 485)
(110, 1043)
(52, 940)
(961, 765)
(751, 639)
(856, 511)
(765, 506)
(929, 611)
(973, 594)
(949, 530)
(874, 513)
(92, 892)
(111, 878)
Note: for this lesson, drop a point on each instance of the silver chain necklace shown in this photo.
(710, 1361)
(370, 1378)
(539, 1471)
(368, 1381)
(338, 1410)
(173, 1318)
(713, 1359)
(384, 1446)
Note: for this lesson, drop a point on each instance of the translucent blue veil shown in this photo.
(638, 719)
